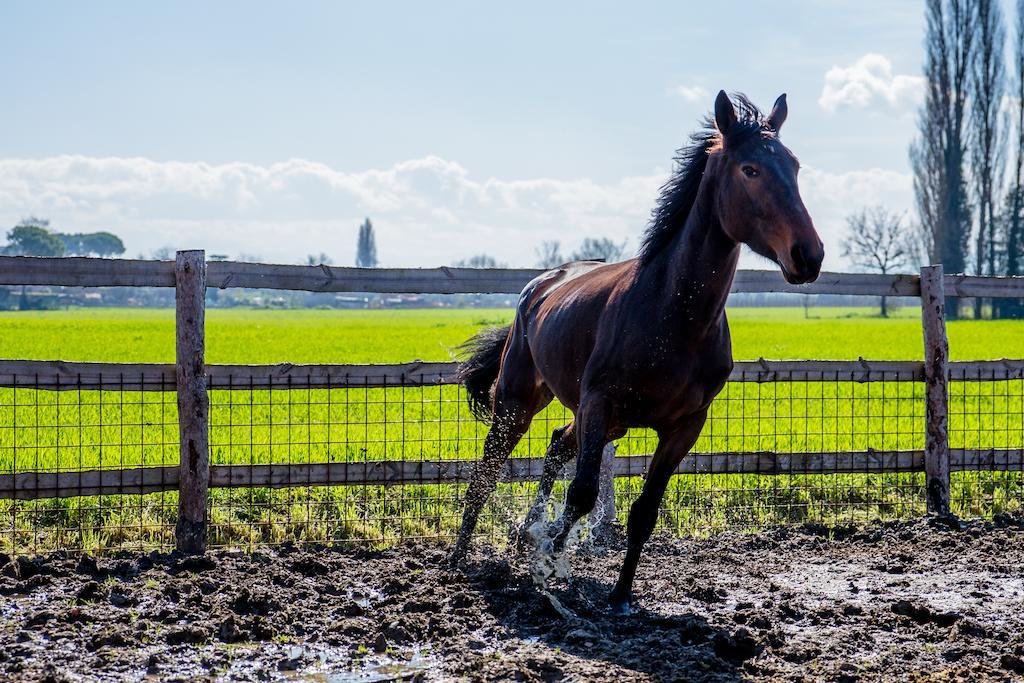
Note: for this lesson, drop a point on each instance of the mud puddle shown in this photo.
(901, 601)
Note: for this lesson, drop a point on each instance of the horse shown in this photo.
(644, 342)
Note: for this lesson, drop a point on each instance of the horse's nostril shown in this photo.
(799, 258)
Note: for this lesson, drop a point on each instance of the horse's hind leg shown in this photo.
(517, 398)
(561, 450)
(643, 515)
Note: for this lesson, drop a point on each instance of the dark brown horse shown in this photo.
(645, 342)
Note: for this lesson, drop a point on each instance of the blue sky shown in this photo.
(272, 129)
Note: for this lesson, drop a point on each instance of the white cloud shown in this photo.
(428, 211)
(831, 197)
(867, 82)
(691, 93)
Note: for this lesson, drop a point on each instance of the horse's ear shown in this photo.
(725, 115)
(779, 112)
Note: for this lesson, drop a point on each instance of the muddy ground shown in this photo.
(902, 601)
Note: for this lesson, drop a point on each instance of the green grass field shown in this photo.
(325, 336)
(83, 430)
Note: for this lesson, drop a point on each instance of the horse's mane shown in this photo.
(680, 192)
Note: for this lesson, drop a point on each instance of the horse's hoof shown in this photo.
(456, 559)
(621, 606)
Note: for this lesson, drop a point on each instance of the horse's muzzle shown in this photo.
(804, 263)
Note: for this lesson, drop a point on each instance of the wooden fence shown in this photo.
(191, 276)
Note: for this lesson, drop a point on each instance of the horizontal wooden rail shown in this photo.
(443, 280)
(982, 370)
(68, 375)
(966, 286)
(37, 485)
(103, 272)
(288, 375)
(450, 280)
(58, 375)
(990, 460)
(826, 371)
(870, 284)
(85, 272)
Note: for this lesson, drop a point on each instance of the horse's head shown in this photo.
(757, 198)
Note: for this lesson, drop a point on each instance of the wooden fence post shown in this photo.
(936, 377)
(193, 402)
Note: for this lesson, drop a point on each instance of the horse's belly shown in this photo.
(661, 401)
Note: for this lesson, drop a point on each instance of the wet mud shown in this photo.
(920, 600)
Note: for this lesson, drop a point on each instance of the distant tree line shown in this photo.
(33, 237)
(549, 254)
(968, 155)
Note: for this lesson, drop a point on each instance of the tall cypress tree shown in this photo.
(366, 246)
(1013, 221)
(939, 153)
(987, 137)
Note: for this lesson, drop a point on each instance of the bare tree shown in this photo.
(479, 261)
(877, 241)
(988, 132)
(320, 259)
(549, 254)
(599, 249)
(938, 155)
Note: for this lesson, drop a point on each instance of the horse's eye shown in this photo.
(750, 171)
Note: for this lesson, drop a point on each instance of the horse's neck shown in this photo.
(696, 270)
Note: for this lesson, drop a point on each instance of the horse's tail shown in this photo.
(478, 369)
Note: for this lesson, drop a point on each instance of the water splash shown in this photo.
(546, 563)
(538, 535)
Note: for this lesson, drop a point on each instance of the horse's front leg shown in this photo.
(592, 427)
(673, 445)
(592, 430)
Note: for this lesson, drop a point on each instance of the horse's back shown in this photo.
(542, 286)
(576, 280)
(559, 315)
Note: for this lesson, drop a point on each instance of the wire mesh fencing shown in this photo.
(735, 479)
(371, 459)
(828, 449)
(986, 434)
(71, 458)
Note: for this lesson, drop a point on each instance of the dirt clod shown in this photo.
(90, 592)
(922, 614)
(1012, 662)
